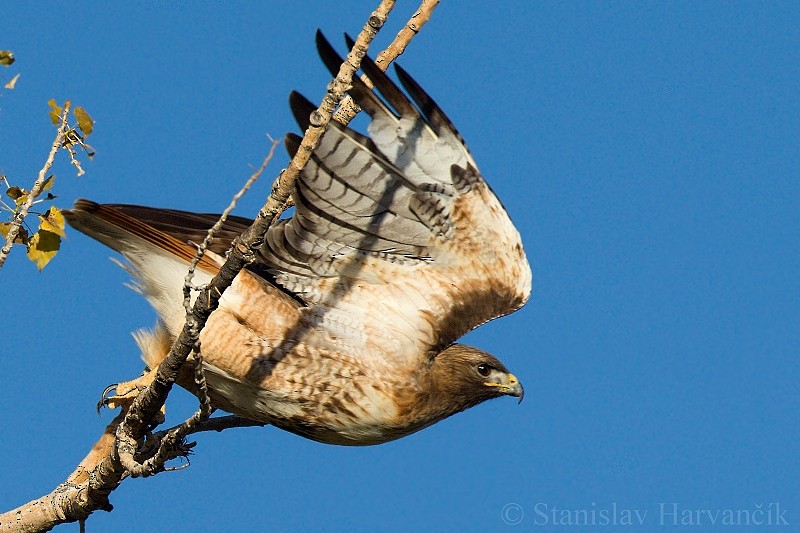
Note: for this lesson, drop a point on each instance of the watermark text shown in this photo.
(660, 514)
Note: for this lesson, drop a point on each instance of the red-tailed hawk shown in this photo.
(343, 331)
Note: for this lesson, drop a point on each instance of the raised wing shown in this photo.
(397, 243)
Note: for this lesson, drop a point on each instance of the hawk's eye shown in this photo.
(484, 369)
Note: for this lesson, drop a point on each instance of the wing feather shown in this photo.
(399, 227)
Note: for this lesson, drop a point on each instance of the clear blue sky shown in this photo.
(649, 155)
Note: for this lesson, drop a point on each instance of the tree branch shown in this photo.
(88, 487)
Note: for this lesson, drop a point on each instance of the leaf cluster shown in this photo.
(44, 243)
(76, 134)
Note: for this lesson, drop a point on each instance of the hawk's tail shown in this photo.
(157, 260)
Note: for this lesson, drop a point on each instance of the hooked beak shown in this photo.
(514, 388)
(508, 384)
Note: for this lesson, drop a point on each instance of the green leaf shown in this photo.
(85, 122)
(55, 111)
(42, 247)
(6, 57)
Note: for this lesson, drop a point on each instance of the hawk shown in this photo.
(343, 331)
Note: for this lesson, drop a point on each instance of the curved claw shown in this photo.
(124, 392)
(104, 398)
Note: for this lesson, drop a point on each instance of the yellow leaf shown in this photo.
(48, 183)
(55, 111)
(85, 122)
(12, 83)
(52, 221)
(42, 247)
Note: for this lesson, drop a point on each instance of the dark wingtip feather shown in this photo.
(433, 113)
(387, 88)
(418, 94)
(292, 143)
(332, 60)
(302, 108)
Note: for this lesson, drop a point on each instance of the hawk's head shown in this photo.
(463, 376)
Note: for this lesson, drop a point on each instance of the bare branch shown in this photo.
(348, 108)
(221, 423)
(85, 491)
(203, 424)
(20, 215)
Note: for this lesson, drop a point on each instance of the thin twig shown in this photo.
(201, 249)
(36, 190)
(319, 119)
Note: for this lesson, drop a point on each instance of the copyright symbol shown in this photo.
(512, 514)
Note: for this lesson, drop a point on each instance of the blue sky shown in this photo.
(648, 153)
